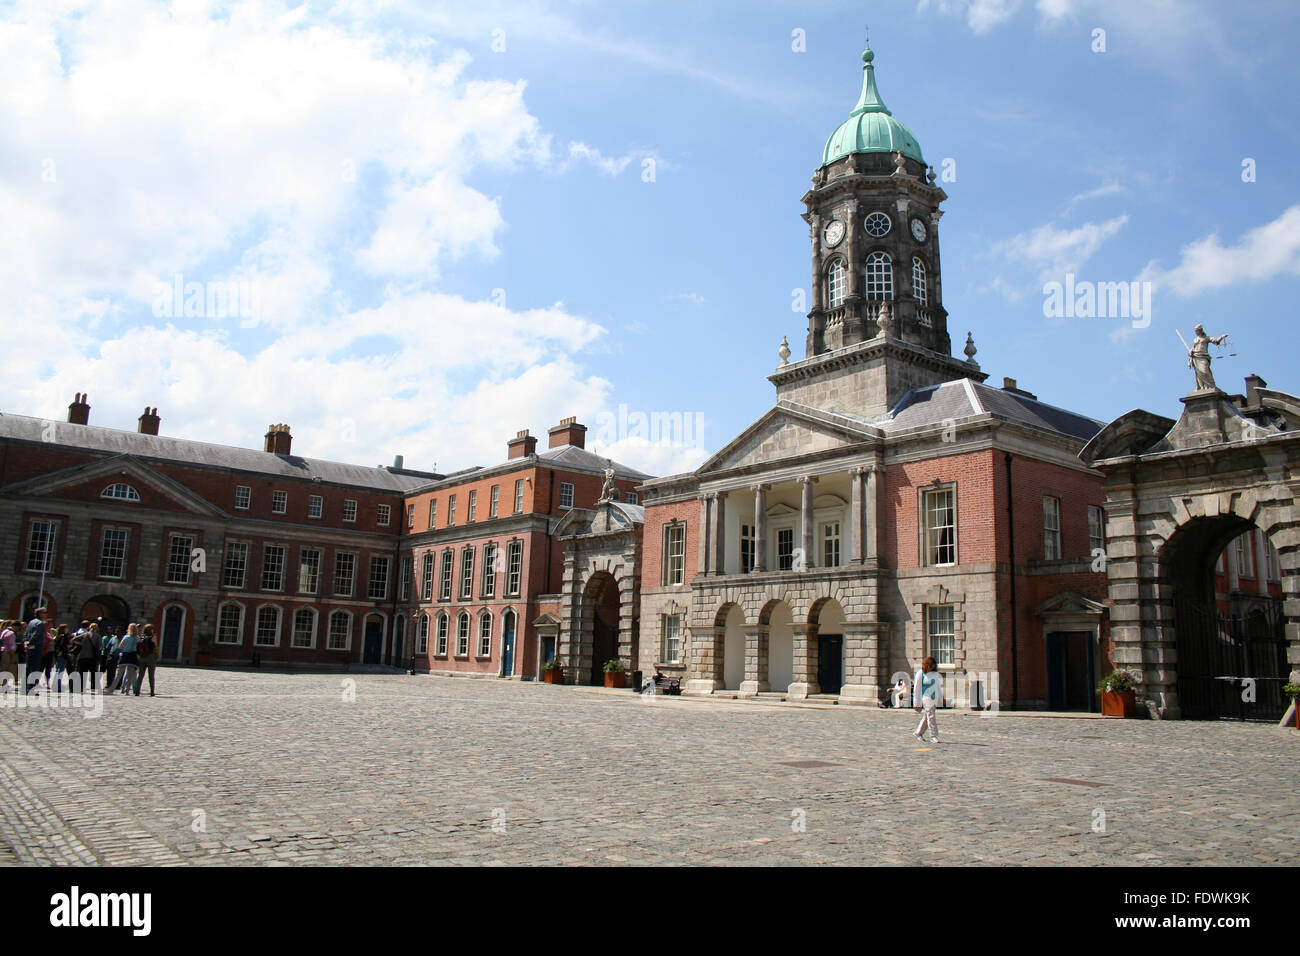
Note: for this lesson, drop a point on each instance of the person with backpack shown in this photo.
(148, 659)
(927, 692)
(86, 654)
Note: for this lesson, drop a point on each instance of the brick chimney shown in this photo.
(522, 445)
(1253, 384)
(568, 432)
(79, 410)
(1009, 385)
(149, 421)
(278, 439)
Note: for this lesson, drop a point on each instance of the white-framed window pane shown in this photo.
(514, 567)
(112, 553)
(785, 549)
(466, 573)
(235, 566)
(451, 511)
(1096, 529)
(672, 642)
(279, 502)
(230, 624)
(831, 544)
(880, 277)
(489, 569)
(180, 551)
(940, 527)
(349, 510)
(746, 548)
(40, 545)
(1051, 528)
(444, 583)
(315, 506)
(433, 512)
(473, 507)
(426, 577)
(632, 498)
(919, 282)
(273, 567)
(566, 494)
(268, 627)
(941, 635)
(383, 515)
(422, 641)
(243, 497)
(345, 574)
(304, 628)
(519, 496)
(441, 648)
(835, 284)
(495, 501)
(462, 636)
(404, 580)
(674, 554)
(340, 630)
(378, 589)
(309, 571)
(485, 635)
(120, 491)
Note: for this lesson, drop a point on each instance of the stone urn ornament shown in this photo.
(784, 352)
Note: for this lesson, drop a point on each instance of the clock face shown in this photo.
(919, 232)
(834, 232)
(877, 224)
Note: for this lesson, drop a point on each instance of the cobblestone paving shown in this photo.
(234, 767)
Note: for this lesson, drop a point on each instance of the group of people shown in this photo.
(56, 654)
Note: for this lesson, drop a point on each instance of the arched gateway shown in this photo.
(1177, 495)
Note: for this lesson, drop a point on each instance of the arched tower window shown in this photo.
(835, 283)
(880, 277)
(921, 290)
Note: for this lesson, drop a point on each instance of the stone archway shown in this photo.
(108, 610)
(599, 626)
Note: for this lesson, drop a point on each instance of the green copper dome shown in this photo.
(870, 128)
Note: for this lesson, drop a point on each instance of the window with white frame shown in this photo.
(273, 556)
(243, 497)
(519, 496)
(378, 589)
(426, 576)
(880, 277)
(444, 582)
(440, 645)
(566, 494)
(383, 515)
(451, 510)
(831, 544)
(514, 568)
(404, 581)
(485, 634)
(835, 284)
(1245, 556)
(489, 569)
(180, 552)
(462, 635)
(1270, 557)
(674, 561)
(349, 510)
(267, 633)
(120, 491)
(309, 571)
(315, 506)
(304, 627)
(410, 517)
(495, 501)
(467, 573)
(230, 623)
(919, 285)
(41, 537)
(345, 574)
(672, 639)
(1096, 529)
(340, 636)
(472, 511)
(632, 498)
(939, 526)
(940, 633)
(422, 638)
(1051, 528)
(746, 548)
(433, 511)
(112, 552)
(235, 566)
(279, 502)
(785, 549)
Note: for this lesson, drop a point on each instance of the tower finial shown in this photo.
(867, 55)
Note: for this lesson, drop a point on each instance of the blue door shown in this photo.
(508, 646)
(399, 632)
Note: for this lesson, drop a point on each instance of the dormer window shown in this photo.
(120, 491)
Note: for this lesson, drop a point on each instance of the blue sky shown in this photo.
(461, 223)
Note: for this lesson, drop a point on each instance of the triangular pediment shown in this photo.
(86, 483)
(1069, 602)
(788, 431)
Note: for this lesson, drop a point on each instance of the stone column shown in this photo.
(720, 533)
(865, 647)
(755, 681)
(706, 530)
(760, 531)
(805, 662)
(856, 513)
(870, 514)
(806, 527)
(706, 662)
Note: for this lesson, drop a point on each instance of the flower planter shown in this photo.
(615, 679)
(1118, 703)
(555, 676)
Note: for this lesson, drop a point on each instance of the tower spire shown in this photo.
(869, 101)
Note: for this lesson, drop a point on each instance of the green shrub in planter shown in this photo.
(1119, 680)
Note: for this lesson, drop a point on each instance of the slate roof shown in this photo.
(964, 398)
(572, 455)
(113, 441)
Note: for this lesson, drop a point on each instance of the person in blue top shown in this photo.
(927, 693)
(126, 661)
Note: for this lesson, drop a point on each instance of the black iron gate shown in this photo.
(1231, 668)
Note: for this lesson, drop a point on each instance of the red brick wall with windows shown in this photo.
(657, 517)
(1031, 482)
(900, 496)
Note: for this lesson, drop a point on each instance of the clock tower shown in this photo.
(877, 294)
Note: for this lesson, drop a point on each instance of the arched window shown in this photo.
(340, 638)
(462, 635)
(304, 627)
(268, 626)
(422, 643)
(835, 284)
(230, 623)
(485, 634)
(880, 277)
(440, 648)
(120, 491)
(921, 291)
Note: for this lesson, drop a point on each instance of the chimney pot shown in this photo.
(522, 445)
(278, 439)
(79, 410)
(149, 421)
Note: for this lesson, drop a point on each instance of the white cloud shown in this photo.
(1054, 251)
(1263, 253)
(692, 297)
(1108, 188)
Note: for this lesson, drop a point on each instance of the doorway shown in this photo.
(508, 644)
(173, 632)
(830, 662)
(108, 610)
(1071, 671)
(374, 642)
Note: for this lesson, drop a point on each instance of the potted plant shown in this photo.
(553, 672)
(615, 674)
(1118, 697)
(1293, 691)
(203, 651)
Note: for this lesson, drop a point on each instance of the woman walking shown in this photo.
(148, 656)
(127, 660)
(927, 691)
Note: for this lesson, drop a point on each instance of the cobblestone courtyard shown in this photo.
(234, 767)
